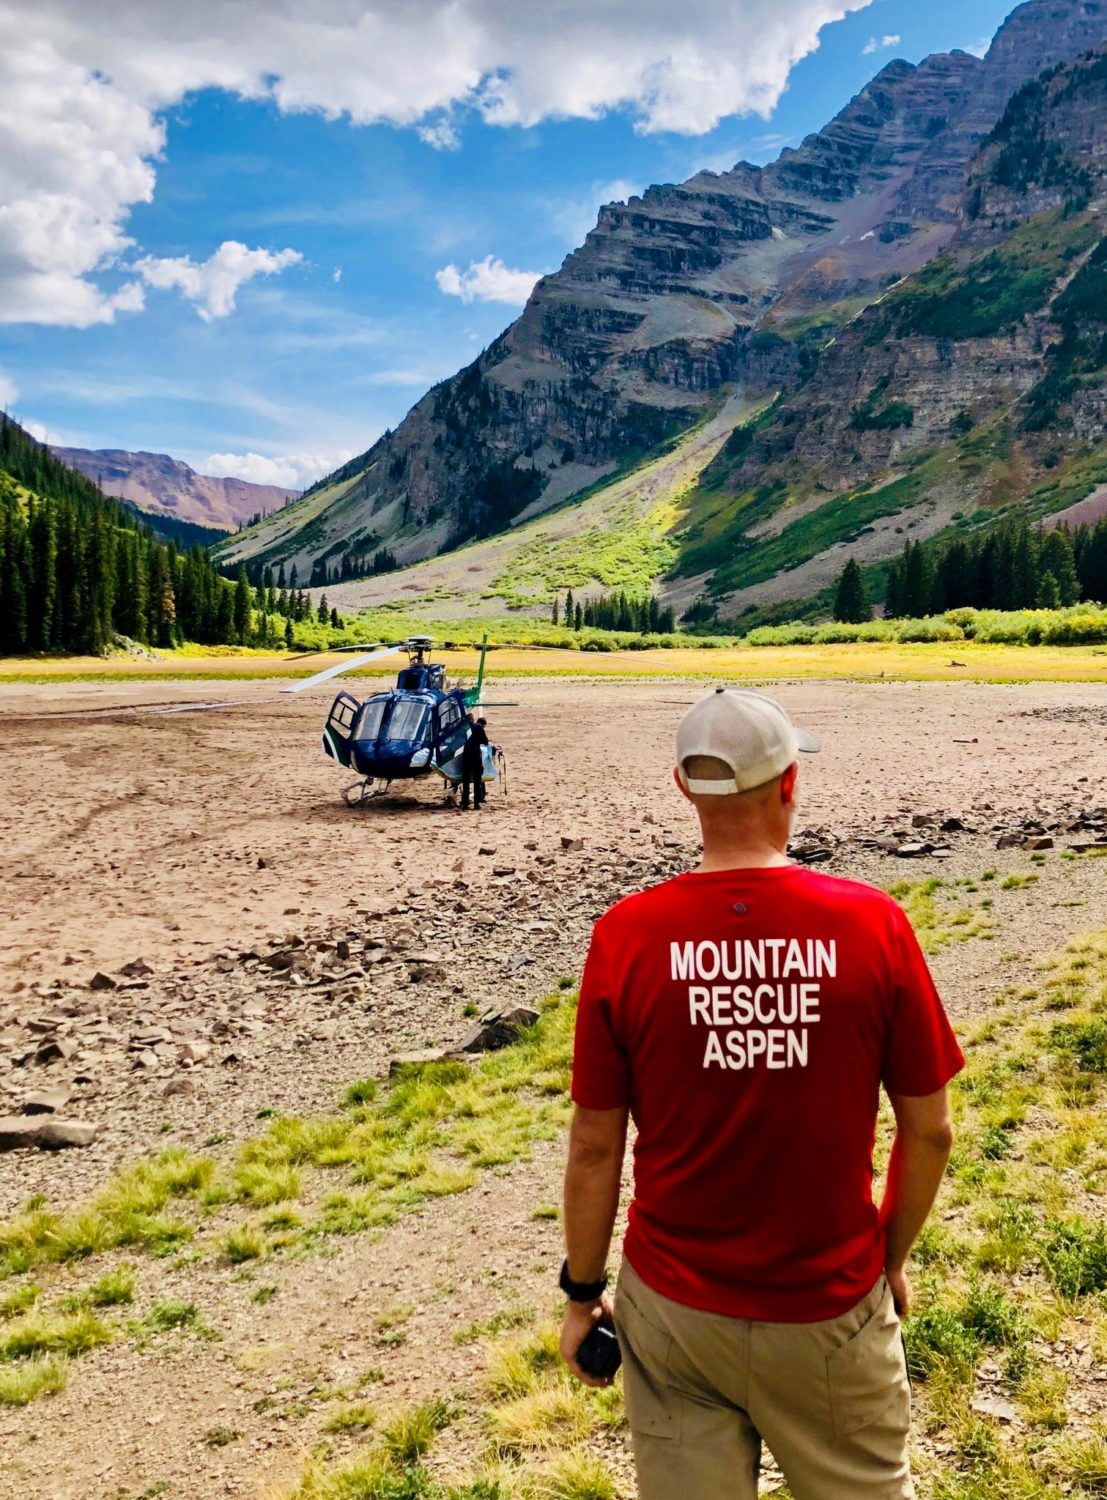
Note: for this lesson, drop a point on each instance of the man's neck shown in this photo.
(740, 856)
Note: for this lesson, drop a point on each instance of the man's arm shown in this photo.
(924, 1139)
(597, 1143)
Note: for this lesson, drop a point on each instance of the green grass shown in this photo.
(41, 1375)
(170, 1314)
(937, 922)
(52, 1333)
(991, 292)
(129, 1211)
(115, 1289)
(741, 560)
(351, 1419)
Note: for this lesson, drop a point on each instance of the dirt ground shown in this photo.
(186, 840)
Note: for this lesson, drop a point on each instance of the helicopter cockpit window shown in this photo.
(408, 721)
(372, 716)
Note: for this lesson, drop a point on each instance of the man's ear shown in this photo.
(788, 786)
(681, 788)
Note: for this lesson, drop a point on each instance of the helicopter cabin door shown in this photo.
(338, 732)
(450, 732)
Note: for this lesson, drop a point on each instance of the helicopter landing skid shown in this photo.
(359, 793)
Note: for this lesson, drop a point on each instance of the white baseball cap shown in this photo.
(748, 732)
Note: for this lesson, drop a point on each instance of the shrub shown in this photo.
(938, 1340)
(1084, 1041)
(1074, 1253)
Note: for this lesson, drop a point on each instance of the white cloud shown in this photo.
(441, 135)
(487, 280)
(290, 471)
(880, 44)
(336, 275)
(9, 391)
(84, 83)
(212, 284)
(36, 429)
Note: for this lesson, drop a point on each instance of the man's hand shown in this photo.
(901, 1290)
(580, 1319)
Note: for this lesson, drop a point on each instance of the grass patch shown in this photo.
(129, 1211)
(115, 1289)
(171, 1314)
(351, 1419)
(52, 1333)
(41, 1375)
(937, 923)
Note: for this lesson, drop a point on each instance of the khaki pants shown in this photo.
(832, 1400)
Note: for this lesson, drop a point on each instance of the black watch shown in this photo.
(581, 1291)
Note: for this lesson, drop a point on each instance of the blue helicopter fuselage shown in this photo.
(409, 731)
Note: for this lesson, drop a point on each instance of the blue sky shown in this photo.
(283, 365)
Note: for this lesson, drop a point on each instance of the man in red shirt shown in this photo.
(746, 1015)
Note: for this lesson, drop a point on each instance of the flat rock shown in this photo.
(995, 1406)
(914, 851)
(45, 1132)
(46, 1101)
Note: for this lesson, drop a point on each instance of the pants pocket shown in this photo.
(653, 1410)
(868, 1374)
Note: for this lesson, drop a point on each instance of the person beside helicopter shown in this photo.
(472, 762)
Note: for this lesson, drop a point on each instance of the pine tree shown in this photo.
(852, 604)
(893, 592)
(556, 611)
(571, 609)
(578, 617)
(1056, 556)
(323, 613)
(1049, 592)
(242, 608)
(336, 623)
(289, 636)
(918, 582)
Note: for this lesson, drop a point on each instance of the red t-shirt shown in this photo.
(748, 1018)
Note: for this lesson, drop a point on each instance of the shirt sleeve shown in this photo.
(601, 1078)
(922, 1053)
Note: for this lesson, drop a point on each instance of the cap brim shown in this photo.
(807, 742)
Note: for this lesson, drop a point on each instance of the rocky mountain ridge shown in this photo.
(674, 296)
(974, 387)
(166, 486)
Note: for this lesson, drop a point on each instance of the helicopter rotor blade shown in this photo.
(336, 671)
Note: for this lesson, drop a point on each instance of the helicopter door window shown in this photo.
(449, 717)
(408, 721)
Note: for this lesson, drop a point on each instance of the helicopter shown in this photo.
(412, 731)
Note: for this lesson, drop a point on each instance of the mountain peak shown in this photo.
(161, 485)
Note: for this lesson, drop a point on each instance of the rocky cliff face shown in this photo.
(674, 295)
(165, 486)
(978, 383)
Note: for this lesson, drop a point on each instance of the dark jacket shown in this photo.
(471, 750)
